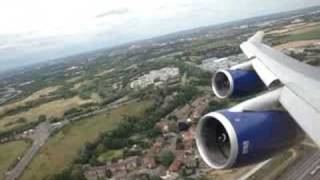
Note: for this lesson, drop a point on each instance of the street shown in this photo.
(39, 138)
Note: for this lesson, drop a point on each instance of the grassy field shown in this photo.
(51, 109)
(9, 152)
(32, 97)
(61, 149)
(307, 34)
(109, 155)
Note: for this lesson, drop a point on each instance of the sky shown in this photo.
(37, 30)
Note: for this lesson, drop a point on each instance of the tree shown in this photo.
(166, 158)
(72, 173)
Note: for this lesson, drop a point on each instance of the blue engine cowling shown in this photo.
(235, 83)
(232, 139)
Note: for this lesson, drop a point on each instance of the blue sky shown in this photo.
(38, 30)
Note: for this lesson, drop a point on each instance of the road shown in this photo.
(301, 170)
(39, 137)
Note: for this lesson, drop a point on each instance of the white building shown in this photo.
(155, 77)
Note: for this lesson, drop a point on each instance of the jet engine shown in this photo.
(249, 132)
(231, 139)
(236, 83)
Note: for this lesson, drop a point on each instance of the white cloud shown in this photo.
(44, 26)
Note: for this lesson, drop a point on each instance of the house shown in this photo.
(184, 112)
(199, 106)
(160, 171)
(188, 138)
(163, 126)
(117, 170)
(178, 161)
(176, 165)
(95, 173)
(149, 162)
(132, 163)
(157, 146)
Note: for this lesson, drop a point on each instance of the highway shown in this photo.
(39, 139)
(303, 168)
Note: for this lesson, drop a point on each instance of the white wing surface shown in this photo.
(301, 92)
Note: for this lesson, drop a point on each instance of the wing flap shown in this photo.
(265, 74)
(304, 113)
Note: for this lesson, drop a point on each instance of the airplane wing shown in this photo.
(301, 83)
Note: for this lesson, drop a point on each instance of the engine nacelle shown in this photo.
(236, 83)
(231, 139)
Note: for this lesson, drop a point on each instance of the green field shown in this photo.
(62, 148)
(109, 155)
(9, 152)
(311, 34)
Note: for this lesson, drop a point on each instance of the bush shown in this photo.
(22, 120)
(72, 111)
(42, 118)
(166, 158)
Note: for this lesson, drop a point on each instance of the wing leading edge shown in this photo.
(301, 83)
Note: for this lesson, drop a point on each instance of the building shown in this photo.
(184, 112)
(156, 77)
(95, 173)
(176, 165)
(117, 170)
(199, 106)
(149, 162)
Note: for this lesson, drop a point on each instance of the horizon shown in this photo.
(31, 46)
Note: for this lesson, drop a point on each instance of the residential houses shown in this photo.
(180, 143)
